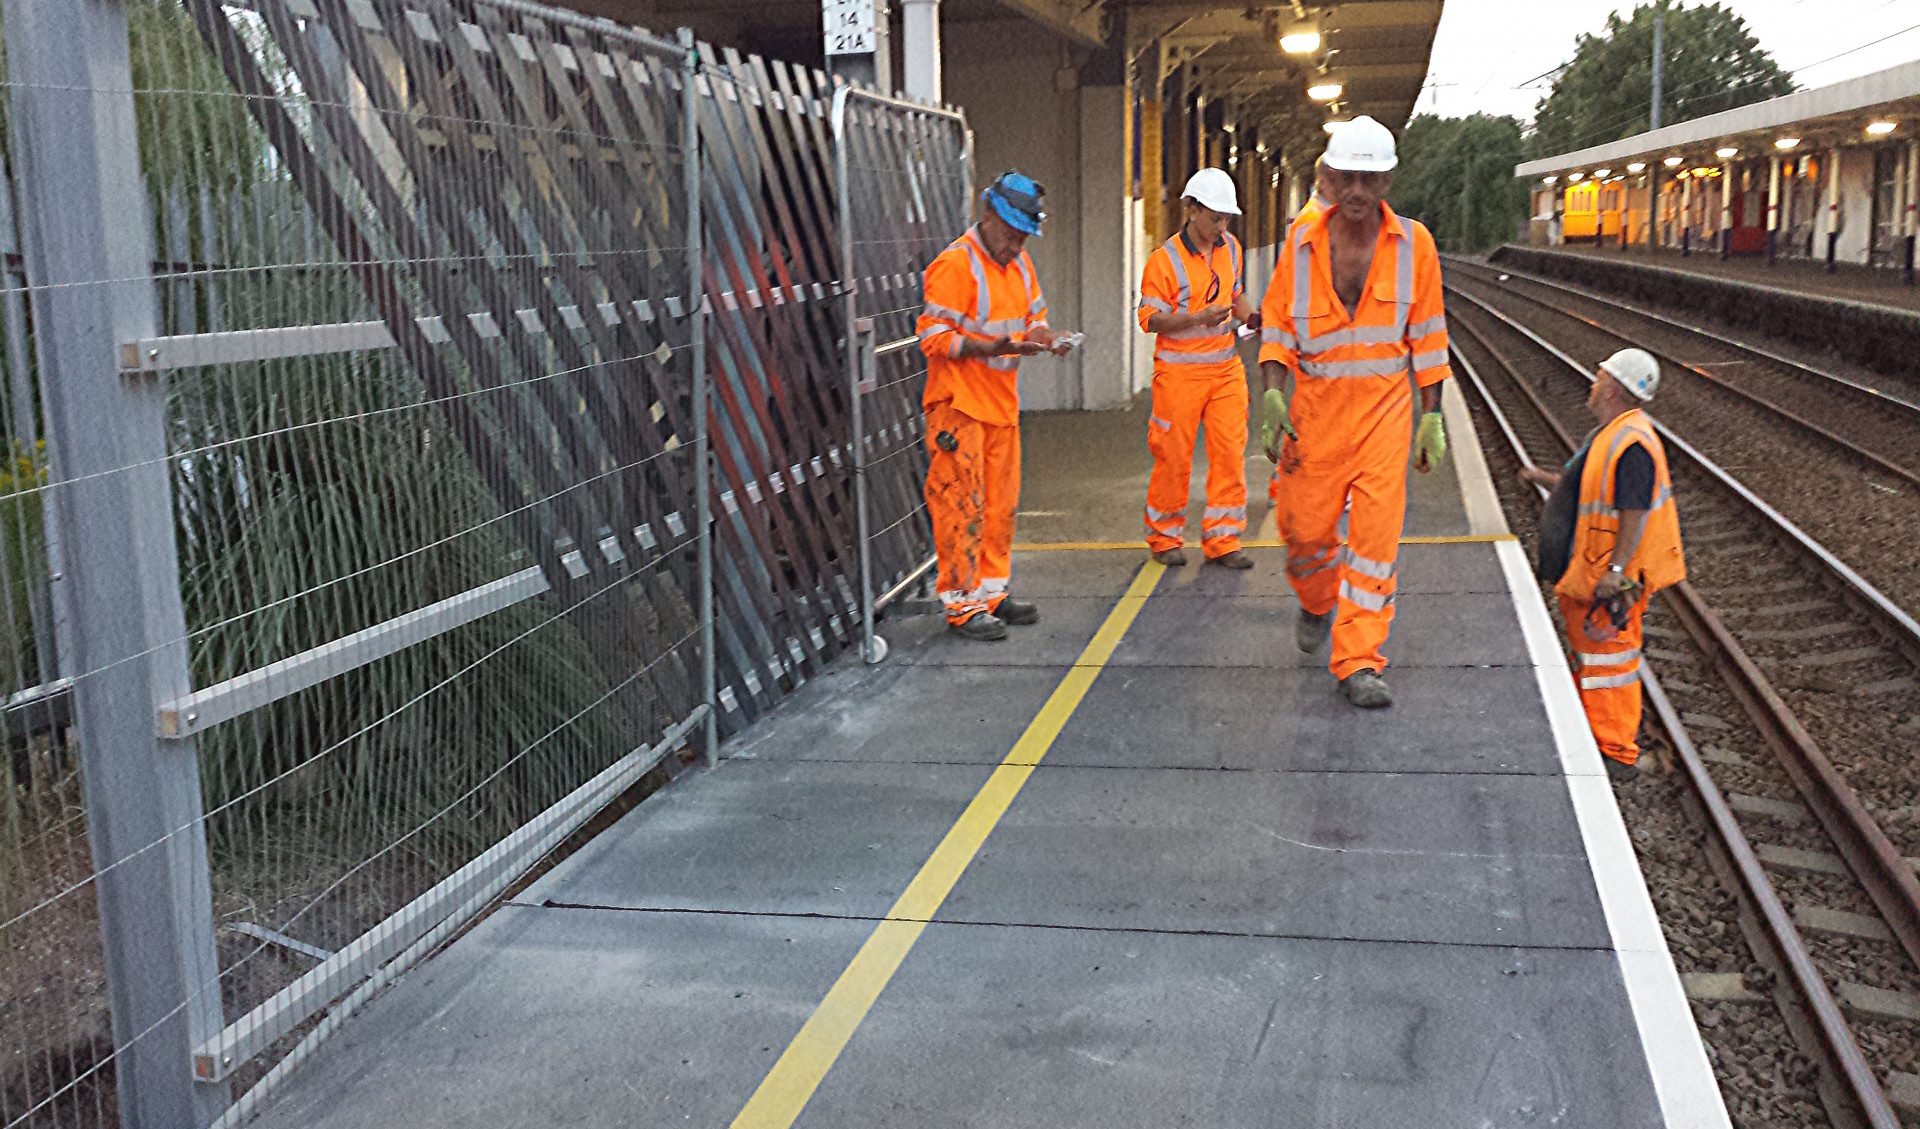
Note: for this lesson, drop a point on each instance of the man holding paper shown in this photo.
(1190, 295)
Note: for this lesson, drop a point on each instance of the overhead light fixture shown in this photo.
(1683, 175)
(1674, 162)
(1880, 129)
(1727, 154)
(1325, 91)
(1637, 166)
(1551, 179)
(1786, 143)
(1602, 174)
(1576, 177)
(1300, 39)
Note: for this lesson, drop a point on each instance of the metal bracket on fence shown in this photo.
(865, 379)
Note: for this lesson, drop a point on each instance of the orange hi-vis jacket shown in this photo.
(1179, 279)
(1658, 561)
(970, 295)
(1351, 365)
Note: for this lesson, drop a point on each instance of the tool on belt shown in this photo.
(1607, 618)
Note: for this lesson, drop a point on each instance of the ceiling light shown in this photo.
(1880, 129)
(1786, 143)
(1300, 41)
(1576, 176)
(1325, 91)
(1674, 162)
(1603, 173)
(1551, 179)
(1637, 166)
(1726, 154)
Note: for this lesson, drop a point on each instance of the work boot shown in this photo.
(1311, 630)
(1620, 772)
(985, 627)
(1236, 560)
(1366, 689)
(1016, 614)
(1172, 558)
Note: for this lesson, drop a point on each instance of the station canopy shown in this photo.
(1873, 108)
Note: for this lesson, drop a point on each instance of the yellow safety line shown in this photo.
(1141, 546)
(790, 1084)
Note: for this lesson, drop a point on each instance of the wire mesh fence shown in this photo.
(423, 419)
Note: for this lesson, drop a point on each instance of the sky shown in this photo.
(1487, 51)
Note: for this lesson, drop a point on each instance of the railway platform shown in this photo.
(1865, 315)
(1137, 866)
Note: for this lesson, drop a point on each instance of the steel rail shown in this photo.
(1837, 1043)
(1870, 855)
(1842, 443)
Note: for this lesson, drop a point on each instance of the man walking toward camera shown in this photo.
(984, 311)
(1354, 306)
(1190, 293)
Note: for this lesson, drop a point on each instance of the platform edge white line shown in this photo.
(1676, 1057)
(1482, 502)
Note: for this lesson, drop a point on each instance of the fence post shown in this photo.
(858, 342)
(87, 242)
(702, 408)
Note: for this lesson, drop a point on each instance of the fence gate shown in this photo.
(424, 418)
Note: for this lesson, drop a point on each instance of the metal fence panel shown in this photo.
(423, 418)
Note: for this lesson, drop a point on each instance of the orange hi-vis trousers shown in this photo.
(973, 489)
(1608, 673)
(1359, 579)
(1183, 400)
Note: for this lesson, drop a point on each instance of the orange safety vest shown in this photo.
(970, 295)
(1356, 364)
(1658, 562)
(1167, 286)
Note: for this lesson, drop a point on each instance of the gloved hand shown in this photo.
(1429, 443)
(1274, 419)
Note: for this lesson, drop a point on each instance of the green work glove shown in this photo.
(1274, 420)
(1429, 443)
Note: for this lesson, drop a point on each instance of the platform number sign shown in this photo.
(848, 25)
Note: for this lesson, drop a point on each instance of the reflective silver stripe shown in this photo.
(953, 346)
(1360, 597)
(1621, 659)
(1155, 304)
(1034, 301)
(1354, 335)
(1598, 508)
(934, 310)
(1164, 425)
(1341, 370)
(1403, 285)
(997, 326)
(1173, 530)
(1301, 572)
(1195, 333)
(1237, 513)
(1302, 287)
(1219, 531)
(1162, 515)
(1366, 566)
(1662, 496)
(1424, 361)
(1212, 357)
(1434, 324)
(985, 295)
(1005, 364)
(958, 598)
(933, 330)
(1278, 337)
(994, 585)
(1233, 255)
(1179, 273)
(1610, 681)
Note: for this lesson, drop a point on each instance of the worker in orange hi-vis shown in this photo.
(984, 311)
(1354, 306)
(1190, 294)
(1621, 546)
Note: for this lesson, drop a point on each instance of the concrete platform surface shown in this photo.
(1138, 866)
(1850, 282)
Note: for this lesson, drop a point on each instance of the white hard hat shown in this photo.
(1213, 188)
(1361, 145)
(1636, 370)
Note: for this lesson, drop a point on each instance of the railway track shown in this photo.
(1834, 908)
